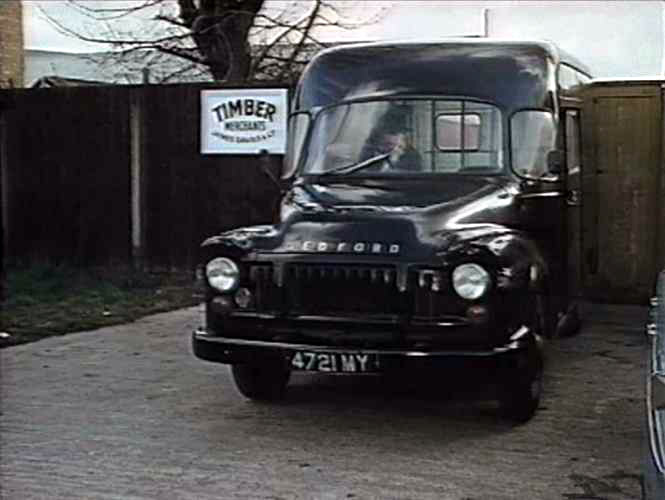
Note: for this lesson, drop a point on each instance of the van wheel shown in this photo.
(570, 323)
(521, 386)
(544, 320)
(264, 382)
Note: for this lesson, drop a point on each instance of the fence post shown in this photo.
(137, 177)
(659, 225)
(4, 200)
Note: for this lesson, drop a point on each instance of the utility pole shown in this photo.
(486, 22)
(662, 40)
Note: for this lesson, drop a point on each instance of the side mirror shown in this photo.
(555, 162)
(267, 162)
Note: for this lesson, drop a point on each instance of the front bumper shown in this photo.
(235, 351)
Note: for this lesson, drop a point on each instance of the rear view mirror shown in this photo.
(555, 161)
(267, 163)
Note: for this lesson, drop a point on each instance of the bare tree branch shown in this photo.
(111, 13)
(289, 29)
(114, 41)
(305, 34)
(171, 20)
(174, 75)
(234, 40)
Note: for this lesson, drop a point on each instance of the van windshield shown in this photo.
(406, 137)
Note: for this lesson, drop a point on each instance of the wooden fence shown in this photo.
(623, 190)
(83, 167)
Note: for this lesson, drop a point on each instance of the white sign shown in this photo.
(243, 121)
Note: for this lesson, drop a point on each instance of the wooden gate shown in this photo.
(623, 209)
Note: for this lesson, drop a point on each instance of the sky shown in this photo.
(614, 38)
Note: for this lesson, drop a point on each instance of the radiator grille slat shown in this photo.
(336, 288)
(266, 294)
(358, 289)
(329, 288)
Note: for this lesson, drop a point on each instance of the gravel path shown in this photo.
(127, 412)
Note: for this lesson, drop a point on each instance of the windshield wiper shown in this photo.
(354, 167)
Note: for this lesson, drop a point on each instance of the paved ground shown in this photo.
(128, 413)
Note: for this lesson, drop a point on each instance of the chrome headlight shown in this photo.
(471, 281)
(222, 274)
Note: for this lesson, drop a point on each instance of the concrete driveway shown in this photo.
(128, 413)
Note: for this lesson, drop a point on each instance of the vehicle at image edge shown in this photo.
(654, 459)
(428, 188)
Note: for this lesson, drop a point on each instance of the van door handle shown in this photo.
(574, 198)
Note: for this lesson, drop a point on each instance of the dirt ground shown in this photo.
(127, 412)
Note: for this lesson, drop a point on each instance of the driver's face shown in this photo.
(392, 140)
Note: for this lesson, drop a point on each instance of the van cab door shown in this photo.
(550, 212)
(571, 120)
(543, 214)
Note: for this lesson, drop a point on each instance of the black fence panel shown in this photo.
(69, 155)
(67, 173)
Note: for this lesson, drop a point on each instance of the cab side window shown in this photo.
(573, 142)
(569, 78)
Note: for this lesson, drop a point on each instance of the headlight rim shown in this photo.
(486, 286)
(235, 277)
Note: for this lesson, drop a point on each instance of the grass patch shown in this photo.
(43, 300)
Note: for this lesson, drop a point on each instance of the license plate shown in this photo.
(335, 362)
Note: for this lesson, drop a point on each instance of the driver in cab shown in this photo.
(402, 154)
(393, 140)
(388, 149)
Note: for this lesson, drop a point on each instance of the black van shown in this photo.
(654, 457)
(427, 192)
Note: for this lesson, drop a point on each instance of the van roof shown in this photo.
(512, 74)
(558, 54)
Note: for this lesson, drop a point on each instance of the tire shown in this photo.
(521, 386)
(544, 321)
(265, 382)
(570, 324)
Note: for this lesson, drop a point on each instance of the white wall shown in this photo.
(95, 66)
(40, 63)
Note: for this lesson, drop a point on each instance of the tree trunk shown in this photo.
(220, 29)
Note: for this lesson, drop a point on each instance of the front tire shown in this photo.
(521, 387)
(570, 323)
(264, 382)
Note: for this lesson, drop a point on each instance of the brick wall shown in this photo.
(11, 44)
